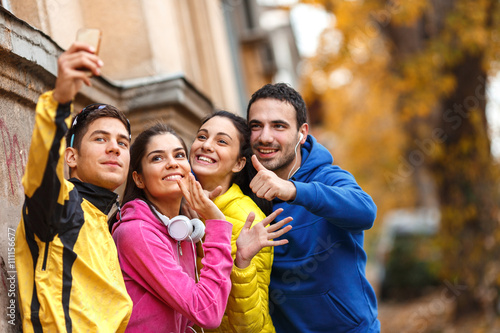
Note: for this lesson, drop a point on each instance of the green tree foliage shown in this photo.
(399, 87)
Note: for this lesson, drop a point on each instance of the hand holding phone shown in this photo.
(73, 72)
(91, 37)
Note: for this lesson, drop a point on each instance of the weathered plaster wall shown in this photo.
(27, 67)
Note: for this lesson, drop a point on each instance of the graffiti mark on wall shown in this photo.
(15, 155)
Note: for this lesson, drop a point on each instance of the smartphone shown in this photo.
(91, 37)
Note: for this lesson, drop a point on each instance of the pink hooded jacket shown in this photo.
(160, 279)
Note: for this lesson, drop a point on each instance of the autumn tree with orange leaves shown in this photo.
(399, 88)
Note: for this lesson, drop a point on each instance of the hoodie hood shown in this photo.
(138, 209)
(330, 212)
(309, 164)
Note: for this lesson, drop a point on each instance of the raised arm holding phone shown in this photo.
(68, 271)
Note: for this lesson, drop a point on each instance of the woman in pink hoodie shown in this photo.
(158, 268)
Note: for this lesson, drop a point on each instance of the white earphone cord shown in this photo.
(294, 161)
(195, 257)
(196, 272)
(192, 329)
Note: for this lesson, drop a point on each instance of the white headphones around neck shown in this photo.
(181, 228)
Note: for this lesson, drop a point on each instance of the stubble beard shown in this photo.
(278, 164)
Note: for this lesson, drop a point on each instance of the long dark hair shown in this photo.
(137, 152)
(245, 176)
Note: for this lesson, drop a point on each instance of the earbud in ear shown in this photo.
(301, 136)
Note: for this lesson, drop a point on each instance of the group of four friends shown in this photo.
(79, 272)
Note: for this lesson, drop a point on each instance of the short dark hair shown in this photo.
(89, 114)
(284, 93)
(245, 176)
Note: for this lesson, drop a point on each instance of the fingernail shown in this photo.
(100, 63)
(92, 49)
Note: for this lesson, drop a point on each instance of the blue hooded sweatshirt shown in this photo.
(318, 281)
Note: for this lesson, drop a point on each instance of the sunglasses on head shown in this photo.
(85, 112)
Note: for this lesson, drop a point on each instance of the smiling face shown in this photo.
(103, 157)
(164, 162)
(215, 153)
(274, 135)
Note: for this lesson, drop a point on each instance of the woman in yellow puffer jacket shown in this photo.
(220, 156)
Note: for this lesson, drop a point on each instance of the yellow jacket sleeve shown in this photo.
(248, 305)
(43, 180)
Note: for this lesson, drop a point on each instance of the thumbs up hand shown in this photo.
(266, 184)
(257, 165)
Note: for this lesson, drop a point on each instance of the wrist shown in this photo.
(56, 95)
(241, 262)
(292, 191)
(217, 214)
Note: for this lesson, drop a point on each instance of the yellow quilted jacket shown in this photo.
(248, 305)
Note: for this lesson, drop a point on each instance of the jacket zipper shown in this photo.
(45, 256)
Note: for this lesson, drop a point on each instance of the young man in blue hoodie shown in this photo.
(318, 281)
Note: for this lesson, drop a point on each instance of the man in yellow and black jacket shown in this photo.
(69, 276)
